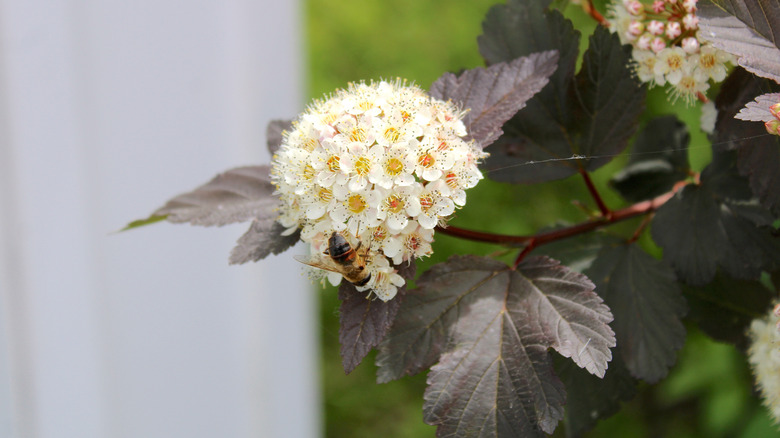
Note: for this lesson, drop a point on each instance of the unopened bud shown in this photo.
(773, 127)
(775, 110)
(690, 45)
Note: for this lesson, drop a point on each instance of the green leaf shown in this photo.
(494, 94)
(574, 123)
(716, 224)
(659, 159)
(748, 29)
(153, 219)
(725, 308)
(648, 307)
(492, 326)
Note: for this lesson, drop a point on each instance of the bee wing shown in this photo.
(319, 262)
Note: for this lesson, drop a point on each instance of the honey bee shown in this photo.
(342, 259)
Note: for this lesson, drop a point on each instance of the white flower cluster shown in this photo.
(764, 357)
(381, 163)
(666, 47)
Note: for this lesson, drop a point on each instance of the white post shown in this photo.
(106, 110)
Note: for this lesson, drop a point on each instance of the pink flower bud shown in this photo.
(634, 7)
(690, 45)
(655, 27)
(689, 5)
(673, 30)
(690, 21)
(644, 42)
(775, 110)
(658, 6)
(636, 28)
(773, 127)
(657, 45)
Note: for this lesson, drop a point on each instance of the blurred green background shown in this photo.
(708, 393)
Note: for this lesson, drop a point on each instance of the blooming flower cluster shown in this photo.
(381, 163)
(764, 357)
(666, 47)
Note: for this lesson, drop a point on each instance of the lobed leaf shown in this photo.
(492, 327)
(716, 224)
(574, 122)
(758, 110)
(365, 322)
(648, 307)
(590, 399)
(274, 133)
(238, 195)
(263, 238)
(609, 100)
(494, 94)
(659, 159)
(725, 308)
(748, 29)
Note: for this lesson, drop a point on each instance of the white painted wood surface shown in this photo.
(108, 108)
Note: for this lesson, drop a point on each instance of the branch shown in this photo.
(638, 209)
(595, 193)
(589, 9)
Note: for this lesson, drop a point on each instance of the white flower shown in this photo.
(710, 63)
(671, 63)
(709, 115)
(764, 357)
(380, 163)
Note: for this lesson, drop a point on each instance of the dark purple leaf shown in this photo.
(494, 94)
(716, 224)
(748, 29)
(648, 306)
(238, 195)
(725, 308)
(758, 153)
(589, 398)
(659, 159)
(365, 322)
(538, 134)
(492, 326)
(574, 122)
(610, 100)
(273, 133)
(263, 238)
(758, 110)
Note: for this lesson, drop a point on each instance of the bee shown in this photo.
(342, 259)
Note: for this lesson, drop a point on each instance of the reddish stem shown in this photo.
(531, 242)
(605, 211)
(587, 6)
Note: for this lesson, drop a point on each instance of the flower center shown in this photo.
(707, 61)
(452, 180)
(674, 62)
(334, 163)
(325, 195)
(394, 204)
(356, 203)
(392, 135)
(358, 134)
(310, 144)
(405, 116)
(394, 167)
(362, 166)
(379, 234)
(443, 145)
(426, 202)
(426, 160)
(308, 172)
(687, 83)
